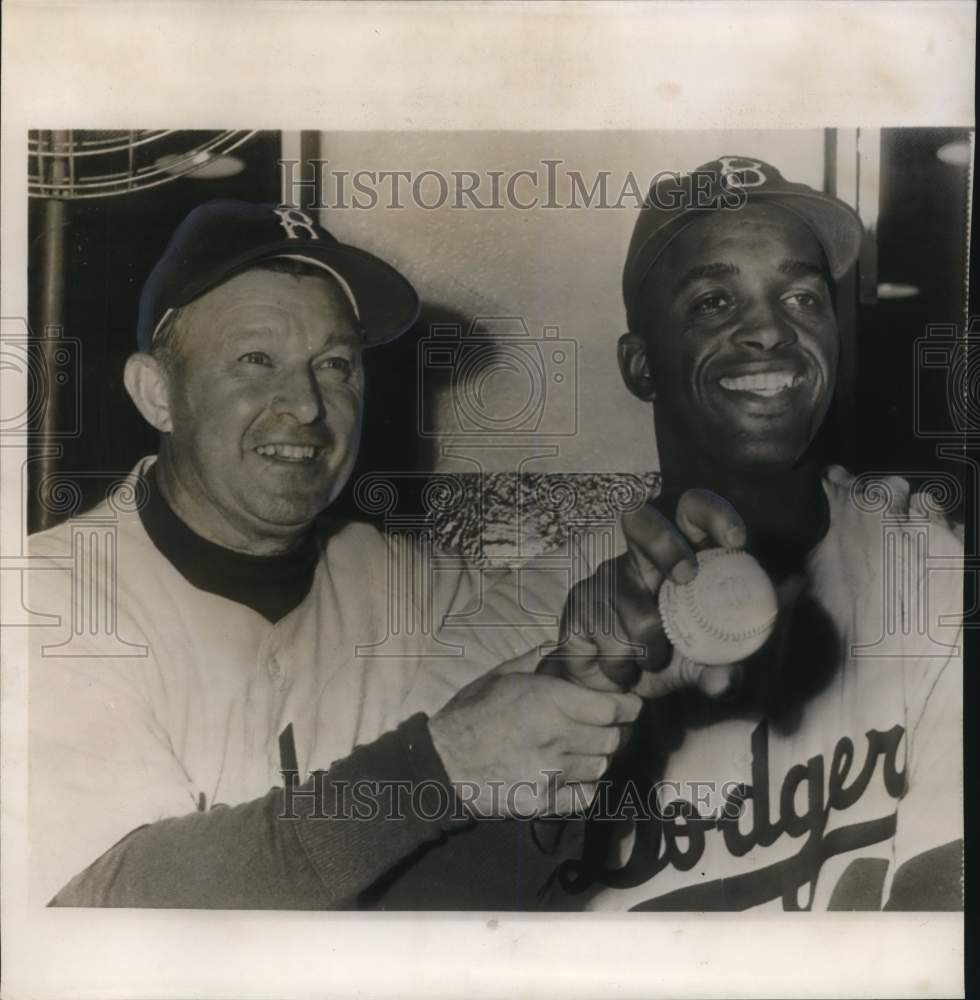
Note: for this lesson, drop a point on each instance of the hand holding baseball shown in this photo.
(622, 601)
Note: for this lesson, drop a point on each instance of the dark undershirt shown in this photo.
(270, 585)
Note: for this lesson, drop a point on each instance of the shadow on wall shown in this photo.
(397, 393)
(446, 379)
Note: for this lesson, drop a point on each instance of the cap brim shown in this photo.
(387, 303)
(835, 224)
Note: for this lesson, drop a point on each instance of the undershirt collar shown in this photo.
(271, 585)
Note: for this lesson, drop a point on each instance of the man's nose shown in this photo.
(298, 396)
(764, 328)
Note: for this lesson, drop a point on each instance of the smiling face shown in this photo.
(264, 406)
(737, 338)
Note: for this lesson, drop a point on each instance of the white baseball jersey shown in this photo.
(821, 811)
(151, 698)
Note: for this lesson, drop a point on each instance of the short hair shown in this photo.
(165, 345)
(166, 340)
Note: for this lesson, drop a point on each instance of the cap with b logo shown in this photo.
(676, 201)
(224, 237)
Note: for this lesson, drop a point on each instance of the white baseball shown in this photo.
(725, 613)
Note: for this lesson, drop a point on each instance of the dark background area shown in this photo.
(922, 240)
(112, 243)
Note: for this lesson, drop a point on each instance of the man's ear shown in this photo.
(634, 365)
(146, 383)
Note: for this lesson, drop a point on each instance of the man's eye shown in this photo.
(711, 303)
(256, 358)
(804, 300)
(339, 364)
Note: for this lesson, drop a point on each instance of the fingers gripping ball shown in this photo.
(725, 613)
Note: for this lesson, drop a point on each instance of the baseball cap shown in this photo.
(676, 201)
(224, 237)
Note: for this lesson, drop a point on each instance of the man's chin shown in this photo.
(775, 441)
(291, 515)
(763, 453)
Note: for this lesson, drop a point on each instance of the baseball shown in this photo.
(725, 613)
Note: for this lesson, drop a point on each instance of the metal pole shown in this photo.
(49, 327)
(841, 165)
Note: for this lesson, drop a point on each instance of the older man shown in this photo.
(831, 775)
(244, 624)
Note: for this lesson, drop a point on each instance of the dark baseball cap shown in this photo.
(224, 237)
(676, 201)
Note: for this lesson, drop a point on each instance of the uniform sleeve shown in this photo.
(319, 846)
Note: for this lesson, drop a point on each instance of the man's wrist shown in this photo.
(434, 793)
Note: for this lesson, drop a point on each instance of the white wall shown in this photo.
(555, 267)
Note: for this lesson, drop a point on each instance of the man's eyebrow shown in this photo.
(705, 271)
(800, 269)
(342, 339)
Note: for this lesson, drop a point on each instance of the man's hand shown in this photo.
(531, 736)
(612, 638)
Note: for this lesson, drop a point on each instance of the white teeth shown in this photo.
(761, 383)
(293, 452)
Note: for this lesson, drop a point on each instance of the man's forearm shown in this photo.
(312, 849)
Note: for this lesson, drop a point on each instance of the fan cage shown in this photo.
(85, 164)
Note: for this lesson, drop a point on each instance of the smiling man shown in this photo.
(242, 622)
(259, 396)
(764, 388)
(830, 774)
